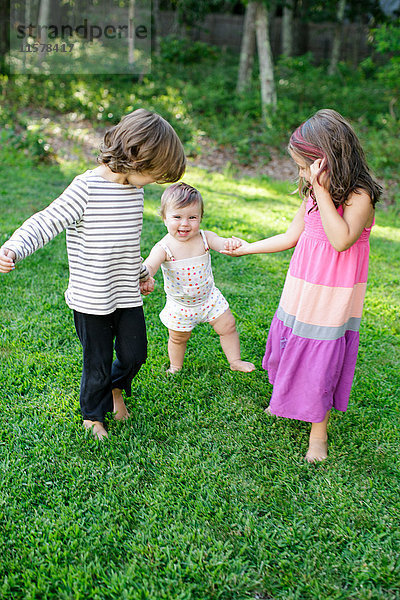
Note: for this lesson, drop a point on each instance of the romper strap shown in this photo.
(203, 235)
(167, 251)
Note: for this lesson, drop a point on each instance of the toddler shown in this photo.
(192, 297)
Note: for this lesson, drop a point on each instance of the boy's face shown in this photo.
(183, 224)
(139, 179)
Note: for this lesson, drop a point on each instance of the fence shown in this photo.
(226, 30)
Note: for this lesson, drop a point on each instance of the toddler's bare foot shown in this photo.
(172, 370)
(242, 365)
(96, 428)
(268, 412)
(317, 450)
(120, 411)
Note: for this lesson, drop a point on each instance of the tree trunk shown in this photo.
(247, 48)
(131, 38)
(157, 26)
(43, 20)
(268, 93)
(287, 28)
(4, 34)
(337, 37)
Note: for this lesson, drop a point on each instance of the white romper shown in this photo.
(192, 297)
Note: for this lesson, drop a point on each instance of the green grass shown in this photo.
(200, 495)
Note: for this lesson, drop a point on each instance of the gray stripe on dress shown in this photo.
(317, 332)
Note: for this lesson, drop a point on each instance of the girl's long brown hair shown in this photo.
(328, 136)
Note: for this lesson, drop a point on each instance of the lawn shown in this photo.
(200, 495)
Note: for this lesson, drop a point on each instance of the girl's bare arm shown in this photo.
(275, 243)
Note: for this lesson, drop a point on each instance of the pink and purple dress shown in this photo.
(313, 341)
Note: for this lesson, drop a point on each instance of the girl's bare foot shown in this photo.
(268, 412)
(96, 428)
(120, 411)
(172, 370)
(317, 450)
(242, 365)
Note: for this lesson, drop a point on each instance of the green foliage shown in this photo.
(386, 40)
(183, 51)
(199, 495)
(15, 135)
(192, 85)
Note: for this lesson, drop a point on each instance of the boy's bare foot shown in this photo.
(96, 428)
(242, 365)
(172, 370)
(317, 450)
(120, 412)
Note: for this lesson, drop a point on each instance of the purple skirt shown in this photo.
(309, 376)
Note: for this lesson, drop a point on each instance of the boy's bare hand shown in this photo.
(146, 287)
(234, 246)
(7, 258)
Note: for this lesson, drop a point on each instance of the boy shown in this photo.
(102, 211)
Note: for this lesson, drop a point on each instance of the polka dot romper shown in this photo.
(192, 297)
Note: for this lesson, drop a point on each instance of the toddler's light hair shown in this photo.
(180, 195)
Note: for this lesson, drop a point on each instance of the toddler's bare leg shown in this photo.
(225, 327)
(96, 428)
(318, 444)
(176, 349)
(120, 411)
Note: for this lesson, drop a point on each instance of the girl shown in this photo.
(313, 341)
(185, 260)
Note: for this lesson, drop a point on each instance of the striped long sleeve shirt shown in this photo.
(103, 221)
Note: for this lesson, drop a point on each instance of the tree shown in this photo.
(267, 81)
(156, 26)
(287, 27)
(4, 32)
(257, 20)
(247, 48)
(131, 41)
(337, 37)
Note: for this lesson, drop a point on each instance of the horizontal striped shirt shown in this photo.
(103, 221)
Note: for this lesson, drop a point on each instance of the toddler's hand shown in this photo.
(234, 246)
(7, 258)
(146, 287)
(232, 243)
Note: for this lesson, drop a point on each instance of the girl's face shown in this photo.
(183, 224)
(304, 168)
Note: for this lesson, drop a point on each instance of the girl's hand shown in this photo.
(235, 246)
(315, 170)
(7, 258)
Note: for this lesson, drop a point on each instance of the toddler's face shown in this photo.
(183, 224)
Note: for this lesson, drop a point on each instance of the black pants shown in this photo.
(100, 375)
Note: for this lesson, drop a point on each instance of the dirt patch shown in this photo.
(73, 138)
(216, 158)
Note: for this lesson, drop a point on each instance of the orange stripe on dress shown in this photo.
(320, 304)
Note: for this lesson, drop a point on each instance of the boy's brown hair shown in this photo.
(180, 195)
(144, 142)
